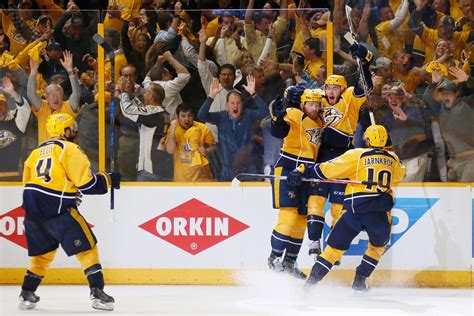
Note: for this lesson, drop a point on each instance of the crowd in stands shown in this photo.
(193, 81)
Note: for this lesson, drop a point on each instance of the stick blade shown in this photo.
(348, 10)
(235, 183)
(250, 177)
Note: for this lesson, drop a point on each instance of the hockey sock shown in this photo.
(370, 260)
(296, 239)
(31, 281)
(287, 219)
(278, 242)
(315, 227)
(320, 269)
(292, 249)
(94, 276)
(367, 266)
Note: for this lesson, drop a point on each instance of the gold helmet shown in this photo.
(337, 80)
(311, 95)
(377, 135)
(57, 124)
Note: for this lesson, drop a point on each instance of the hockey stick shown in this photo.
(243, 177)
(110, 52)
(352, 39)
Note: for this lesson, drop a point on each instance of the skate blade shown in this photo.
(100, 305)
(298, 276)
(309, 287)
(25, 305)
(361, 292)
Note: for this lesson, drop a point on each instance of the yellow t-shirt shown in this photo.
(390, 41)
(410, 80)
(189, 163)
(128, 9)
(120, 62)
(431, 36)
(17, 42)
(454, 9)
(42, 116)
(320, 33)
(312, 67)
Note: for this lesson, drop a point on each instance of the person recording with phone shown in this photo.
(227, 43)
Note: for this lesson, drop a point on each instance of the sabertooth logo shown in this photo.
(314, 135)
(6, 138)
(193, 226)
(331, 116)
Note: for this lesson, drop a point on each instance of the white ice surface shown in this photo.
(262, 294)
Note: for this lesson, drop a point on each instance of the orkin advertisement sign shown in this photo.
(194, 226)
(213, 223)
(11, 226)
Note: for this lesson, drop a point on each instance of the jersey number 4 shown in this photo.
(383, 178)
(43, 169)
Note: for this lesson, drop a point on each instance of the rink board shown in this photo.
(207, 234)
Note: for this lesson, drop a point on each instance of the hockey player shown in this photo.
(340, 113)
(300, 128)
(55, 174)
(366, 207)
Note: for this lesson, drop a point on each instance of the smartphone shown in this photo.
(300, 59)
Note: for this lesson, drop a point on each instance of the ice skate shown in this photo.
(291, 267)
(274, 263)
(310, 283)
(28, 300)
(359, 284)
(315, 249)
(100, 300)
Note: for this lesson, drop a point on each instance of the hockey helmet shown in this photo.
(377, 135)
(311, 95)
(56, 124)
(337, 80)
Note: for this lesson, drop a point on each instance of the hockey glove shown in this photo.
(293, 95)
(115, 178)
(360, 51)
(278, 108)
(295, 177)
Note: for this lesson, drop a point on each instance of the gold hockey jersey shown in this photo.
(53, 174)
(340, 119)
(303, 137)
(379, 167)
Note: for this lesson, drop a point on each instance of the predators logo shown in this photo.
(331, 116)
(6, 138)
(314, 135)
